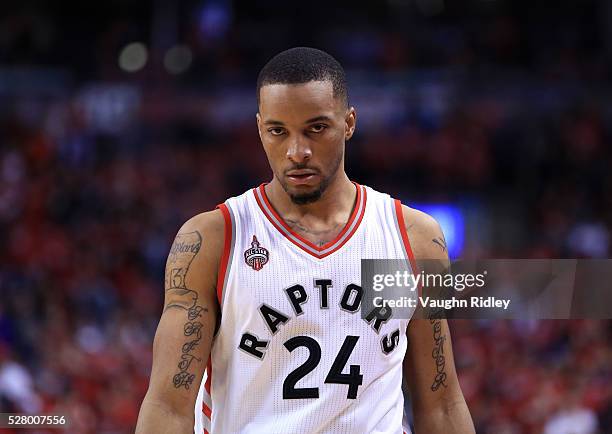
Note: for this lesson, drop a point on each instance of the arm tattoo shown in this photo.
(185, 247)
(183, 250)
(435, 319)
(184, 378)
(438, 354)
(441, 242)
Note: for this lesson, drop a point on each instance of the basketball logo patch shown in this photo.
(256, 257)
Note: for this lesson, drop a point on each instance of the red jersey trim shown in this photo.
(399, 212)
(298, 236)
(227, 244)
(207, 411)
(319, 252)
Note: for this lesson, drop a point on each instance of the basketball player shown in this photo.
(263, 299)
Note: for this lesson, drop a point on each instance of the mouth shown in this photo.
(302, 176)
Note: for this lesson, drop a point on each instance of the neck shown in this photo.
(336, 202)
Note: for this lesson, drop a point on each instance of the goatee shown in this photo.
(303, 199)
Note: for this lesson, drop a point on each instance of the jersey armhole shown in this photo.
(225, 257)
(399, 215)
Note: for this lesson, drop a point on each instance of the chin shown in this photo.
(302, 196)
(303, 199)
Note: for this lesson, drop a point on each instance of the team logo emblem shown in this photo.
(256, 257)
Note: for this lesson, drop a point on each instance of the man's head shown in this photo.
(304, 120)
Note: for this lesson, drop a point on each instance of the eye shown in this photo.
(276, 131)
(317, 128)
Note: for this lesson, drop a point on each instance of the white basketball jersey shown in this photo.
(293, 353)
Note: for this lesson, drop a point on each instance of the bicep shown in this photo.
(185, 332)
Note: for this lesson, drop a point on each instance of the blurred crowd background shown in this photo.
(119, 120)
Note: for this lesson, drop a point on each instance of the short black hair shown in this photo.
(302, 65)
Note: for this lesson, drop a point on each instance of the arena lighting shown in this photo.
(178, 59)
(133, 57)
(450, 218)
(215, 18)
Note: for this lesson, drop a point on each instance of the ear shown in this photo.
(258, 119)
(350, 123)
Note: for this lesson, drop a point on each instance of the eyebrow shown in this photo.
(318, 119)
(309, 121)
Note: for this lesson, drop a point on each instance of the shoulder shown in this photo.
(420, 224)
(211, 222)
(208, 230)
(425, 234)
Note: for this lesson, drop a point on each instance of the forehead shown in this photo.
(298, 100)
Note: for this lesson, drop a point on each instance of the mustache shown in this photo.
(302, 167)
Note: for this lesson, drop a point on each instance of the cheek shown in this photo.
(334, 143)
(274, 150)
(337, 135)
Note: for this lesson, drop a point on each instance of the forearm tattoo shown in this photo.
(185, 247)
(438, 354)
(435, 316)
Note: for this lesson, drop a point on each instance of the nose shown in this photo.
(299, 150)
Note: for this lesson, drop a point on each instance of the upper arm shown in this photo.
(428, 365)
(184, 335)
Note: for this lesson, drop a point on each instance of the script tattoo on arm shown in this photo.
(438, 354)
(184, 249)
(436, 315)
